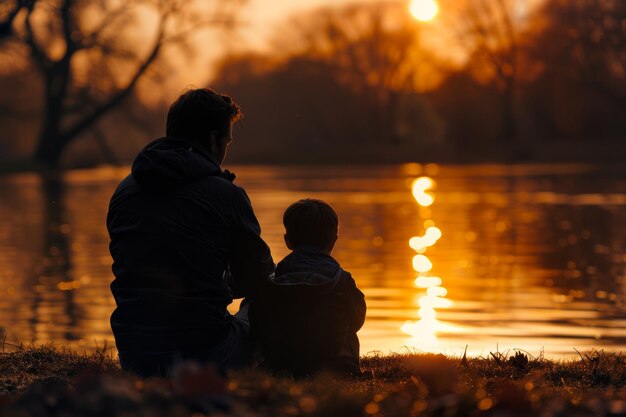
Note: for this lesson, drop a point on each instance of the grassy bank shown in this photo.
(42, 381)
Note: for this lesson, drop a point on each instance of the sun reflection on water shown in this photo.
(420, 187)
(421, 243)
(424, 331)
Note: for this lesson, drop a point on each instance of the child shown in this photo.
(305, 318)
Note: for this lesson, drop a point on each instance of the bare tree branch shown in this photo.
(202, 24)
(6, 24)
(78, 127)
(40, 57)
(67, 25)
(102, 60)
(92, 38)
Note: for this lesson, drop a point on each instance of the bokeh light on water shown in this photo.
(424, 331)
(524, 257)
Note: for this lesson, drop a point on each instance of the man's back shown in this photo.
(177, 225)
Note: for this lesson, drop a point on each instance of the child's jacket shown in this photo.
(305, 319)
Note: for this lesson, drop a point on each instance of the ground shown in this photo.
(44, 381)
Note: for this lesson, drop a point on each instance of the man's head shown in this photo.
(311, 222)
(205, 117)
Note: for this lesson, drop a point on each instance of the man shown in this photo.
(185, 242)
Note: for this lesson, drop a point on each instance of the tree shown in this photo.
(579, 48)
(591, 39)
(374, 49)
(342, 85)
(8, 12)
(490, 31)
(90, 55)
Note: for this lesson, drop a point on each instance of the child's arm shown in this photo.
(356, 302)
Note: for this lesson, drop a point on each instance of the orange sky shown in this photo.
(261, 18)
(263, 15)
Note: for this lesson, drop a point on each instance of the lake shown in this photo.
(492, 257)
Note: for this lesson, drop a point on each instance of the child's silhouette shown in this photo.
(305, 319)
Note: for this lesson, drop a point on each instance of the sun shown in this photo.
(424, 10)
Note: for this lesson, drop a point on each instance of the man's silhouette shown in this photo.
(184, 242)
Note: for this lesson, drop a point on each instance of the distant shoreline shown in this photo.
(17, 167)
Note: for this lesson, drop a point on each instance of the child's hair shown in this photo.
(311, 222)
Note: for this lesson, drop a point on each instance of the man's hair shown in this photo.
(196, 113)
(311, 222)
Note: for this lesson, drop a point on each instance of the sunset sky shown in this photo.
(263, 15)
(262, 19)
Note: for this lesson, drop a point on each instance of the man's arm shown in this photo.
(250, 259)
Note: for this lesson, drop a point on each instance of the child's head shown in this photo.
(311, 222)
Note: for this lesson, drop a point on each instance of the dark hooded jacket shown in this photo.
(306, 317)
(178, 224)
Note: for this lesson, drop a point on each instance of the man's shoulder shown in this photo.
(216, 182)
(214, 186)
(128, 184)
(210, 187)
(210, 191)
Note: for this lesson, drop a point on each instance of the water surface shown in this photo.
(502, 257)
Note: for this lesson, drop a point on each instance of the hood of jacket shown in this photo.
(169, 162)
(307, 269)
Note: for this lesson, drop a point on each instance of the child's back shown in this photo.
(305, 319)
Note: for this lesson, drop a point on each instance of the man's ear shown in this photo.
(332, 244)
(213, 142)
(287, 242)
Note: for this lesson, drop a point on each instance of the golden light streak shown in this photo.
(428, 301)
(437, 292)
(419, 187)
(68, 285)
(426, 282)
(422, 264)
(426, 313)
(424, 331)
(420, 243)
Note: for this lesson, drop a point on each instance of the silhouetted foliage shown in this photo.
(580, 49)
(350, 83)
(489, 31)
(471, 113)
(374, 51)
(359, 83)
(8, 12)
(348, 80)
(91, 55)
